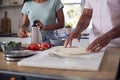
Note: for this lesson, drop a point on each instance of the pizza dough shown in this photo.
(74, 51)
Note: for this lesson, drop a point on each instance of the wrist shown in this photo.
(77, 30)
(43, 27)
(110, 35)
(22, 28)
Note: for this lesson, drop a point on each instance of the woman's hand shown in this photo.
(40, 25)
(22, 33)
(69, 39)
(99, 43)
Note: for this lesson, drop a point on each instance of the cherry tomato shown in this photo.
(34, 46)
(45, 45)
(41, 49)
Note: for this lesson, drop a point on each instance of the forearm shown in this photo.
(23, 27)
(53, 26)
(114, 33)
(82, 25)
(83, 21)
(25, 22)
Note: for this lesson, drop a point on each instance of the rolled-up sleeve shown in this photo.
(87, 4)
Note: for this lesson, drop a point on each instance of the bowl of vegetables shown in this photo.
(11, 46)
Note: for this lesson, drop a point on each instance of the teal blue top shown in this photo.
(45, 12)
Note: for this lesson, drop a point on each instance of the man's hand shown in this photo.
(69, 39)
(99, 43)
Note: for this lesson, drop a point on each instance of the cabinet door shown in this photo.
(11, 77)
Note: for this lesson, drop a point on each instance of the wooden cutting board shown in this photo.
(6, 24)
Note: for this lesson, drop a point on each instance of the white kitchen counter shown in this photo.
(107, 70)
(83, 42)
(16, 39)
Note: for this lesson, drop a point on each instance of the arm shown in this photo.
(59, 24)
(104, 39)
(84, 21)
(114, 33)
(81, 26)
(23, 29)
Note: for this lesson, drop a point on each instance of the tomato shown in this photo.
(41, 49)
(45, 45)
(37, 46)
(34, 46)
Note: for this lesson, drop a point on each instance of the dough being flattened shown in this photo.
(74, 51)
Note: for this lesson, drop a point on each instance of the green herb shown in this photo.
(13, 43)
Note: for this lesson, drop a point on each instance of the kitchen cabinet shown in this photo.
(5, 4)
(11, 77)
(2, 6)
(10, 3)
(10, 6)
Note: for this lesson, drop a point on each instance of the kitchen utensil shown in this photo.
(6, 48)
(57, 41)
(6, 23)
(1, 43)
(18, 55)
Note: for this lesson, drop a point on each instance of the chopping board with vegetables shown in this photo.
(44, 59)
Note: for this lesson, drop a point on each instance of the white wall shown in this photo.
(14, 13)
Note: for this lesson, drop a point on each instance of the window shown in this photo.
(72, 11)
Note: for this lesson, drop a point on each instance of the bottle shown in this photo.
(63, 34)
(36, 36)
